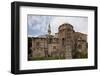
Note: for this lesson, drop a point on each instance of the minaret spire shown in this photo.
(49, 29)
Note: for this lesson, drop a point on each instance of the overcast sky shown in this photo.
(38, 24)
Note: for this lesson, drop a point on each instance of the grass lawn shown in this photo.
(46, 58)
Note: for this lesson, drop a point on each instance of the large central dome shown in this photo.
(65, 26)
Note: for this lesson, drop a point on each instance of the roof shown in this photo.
(45, 36)
(67, 24)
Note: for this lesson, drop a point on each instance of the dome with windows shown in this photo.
(66, 26)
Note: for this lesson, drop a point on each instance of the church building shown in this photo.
(65, 44)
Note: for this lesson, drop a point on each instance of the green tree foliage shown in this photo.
(78, 54)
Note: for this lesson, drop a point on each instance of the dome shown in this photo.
(65, 25)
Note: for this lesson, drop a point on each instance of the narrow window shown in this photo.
(63, 41)
(37, 44)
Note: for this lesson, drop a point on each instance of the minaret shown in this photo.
(49, 30)
(49, 40)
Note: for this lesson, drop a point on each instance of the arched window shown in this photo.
(50, 40)
(54, 47)
(37, 44)
(68, 29)
(63, 41)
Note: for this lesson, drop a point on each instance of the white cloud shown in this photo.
(39, 24)
(79, 23)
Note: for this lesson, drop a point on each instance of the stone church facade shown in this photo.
(62, 44)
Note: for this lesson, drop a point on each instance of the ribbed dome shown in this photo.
(65, 25)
